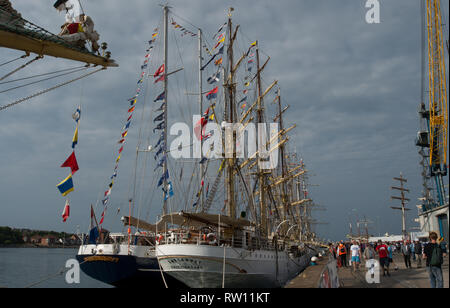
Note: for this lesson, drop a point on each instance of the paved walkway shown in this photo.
(309, 278)
(402, 278)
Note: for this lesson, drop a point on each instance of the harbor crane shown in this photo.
(433, 136)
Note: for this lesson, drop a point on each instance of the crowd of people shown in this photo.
(431, 252)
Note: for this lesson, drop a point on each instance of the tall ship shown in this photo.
(251, 232)
(227, 211)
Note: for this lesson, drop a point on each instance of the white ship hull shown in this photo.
(203, 266)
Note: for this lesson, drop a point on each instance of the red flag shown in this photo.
(66, 211)
(159, 79)
(72, 163)
(159, 71)
(212, 94)
(199, 128)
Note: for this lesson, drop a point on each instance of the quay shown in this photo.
(403, 277)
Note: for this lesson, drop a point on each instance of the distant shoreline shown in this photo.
(37, 246)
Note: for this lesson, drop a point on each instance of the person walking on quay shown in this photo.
(356, 255)
(342, 253)
(412, 246)
(418, 251)
(391, 248)
(369, 253)
(383, 257)
(406, 252)
(434, 256)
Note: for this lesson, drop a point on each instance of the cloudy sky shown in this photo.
(353, 90)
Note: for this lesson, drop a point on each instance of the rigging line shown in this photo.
(49, 89)
(39, 75)
(178, 82)
(21, 57)
(45, 79)
(150, 195)
(21, 67)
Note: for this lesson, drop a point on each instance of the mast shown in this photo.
(166, 28)
(260, 119)
(284, 196)
(403, 200)
(230, 87)
(200, 102)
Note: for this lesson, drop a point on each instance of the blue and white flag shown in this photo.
(164, 177)
(168, 194)
(77, 114)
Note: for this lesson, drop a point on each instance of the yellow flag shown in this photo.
(75, 137)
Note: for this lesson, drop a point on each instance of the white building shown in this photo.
(434, 219)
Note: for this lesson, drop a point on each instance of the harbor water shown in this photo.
(24, 267)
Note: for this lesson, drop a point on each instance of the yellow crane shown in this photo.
(438, 108)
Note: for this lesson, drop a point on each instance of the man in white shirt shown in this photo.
(356, 255)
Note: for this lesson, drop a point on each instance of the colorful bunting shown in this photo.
(182, 29)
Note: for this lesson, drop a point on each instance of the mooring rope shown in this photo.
(61, 272)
